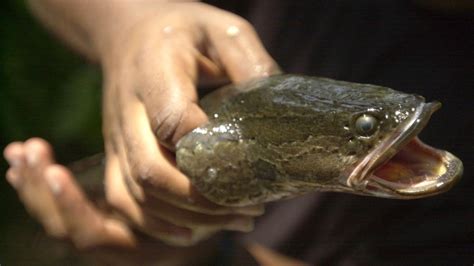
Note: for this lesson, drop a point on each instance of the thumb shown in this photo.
(177, 118)
(171, 100)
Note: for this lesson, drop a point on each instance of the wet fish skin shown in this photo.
(286, 135)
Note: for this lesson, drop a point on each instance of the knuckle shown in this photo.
(234, 19)
(57, 169)
(268, 67)
(167, 123)
(145, 172)
(242, 24)
(142, 173)
(173, 18)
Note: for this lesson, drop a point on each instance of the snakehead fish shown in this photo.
(286, 135)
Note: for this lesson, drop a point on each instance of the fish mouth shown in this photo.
(404, 167)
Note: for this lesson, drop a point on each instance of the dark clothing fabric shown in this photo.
(398, 44)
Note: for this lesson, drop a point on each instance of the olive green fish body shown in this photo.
(286, 135)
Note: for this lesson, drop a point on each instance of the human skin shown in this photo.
(50, 193)
(153, 54)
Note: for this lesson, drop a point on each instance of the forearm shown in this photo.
(87, 25)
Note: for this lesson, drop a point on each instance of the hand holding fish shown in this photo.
(153, 55)
(265, 140)
(150, 93)
(51, 194)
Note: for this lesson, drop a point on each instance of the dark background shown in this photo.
(48, 91)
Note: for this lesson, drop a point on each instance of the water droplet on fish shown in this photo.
(211, 174)
(198, 148)
(220, 129)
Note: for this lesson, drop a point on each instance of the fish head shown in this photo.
(388, 158)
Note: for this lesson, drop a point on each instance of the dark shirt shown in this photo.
(398, 44)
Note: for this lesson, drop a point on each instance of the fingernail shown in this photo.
(32, 158)
(15, 162)
(52, 182)
(241, 224)
(13, 178)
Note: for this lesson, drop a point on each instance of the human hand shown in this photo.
(150, 101)
(50, 193)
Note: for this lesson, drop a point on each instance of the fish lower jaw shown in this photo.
(416, 171)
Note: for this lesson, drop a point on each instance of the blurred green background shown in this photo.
(48, 91)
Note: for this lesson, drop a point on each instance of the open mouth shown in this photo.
(404, 167)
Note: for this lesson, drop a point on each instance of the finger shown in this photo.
(27, 179)
(12, 176)
(38, 152)
(169, 93)
(118, 194)
(155, 170)
(211, 75)
(119, 197)
(239, 48)
(195, 220)
(14, 154)
(85, 225)
(35, 193)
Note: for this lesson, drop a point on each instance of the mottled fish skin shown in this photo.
(286, 135)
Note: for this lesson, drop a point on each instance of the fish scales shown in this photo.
(286, 135)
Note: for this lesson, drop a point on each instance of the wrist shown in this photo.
(119, 20)
(115, 18)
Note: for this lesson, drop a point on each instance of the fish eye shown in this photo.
(366, 125)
